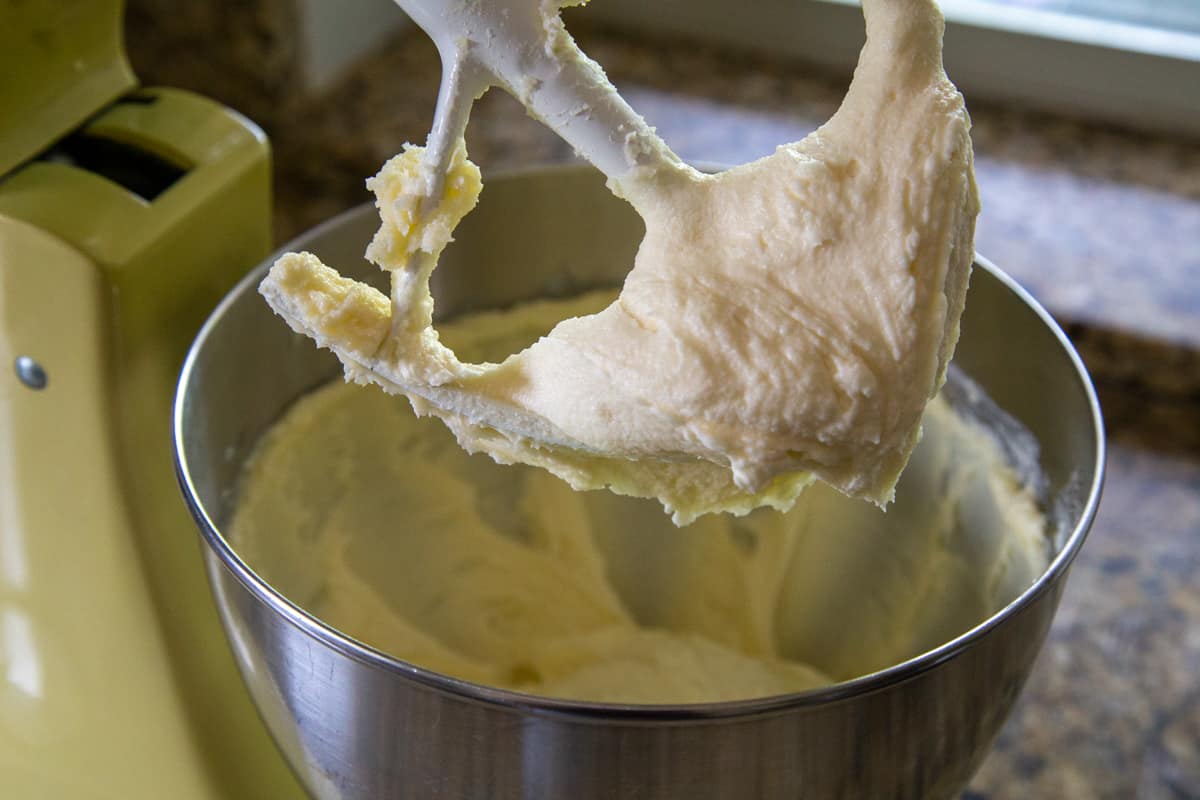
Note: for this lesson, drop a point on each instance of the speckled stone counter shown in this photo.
(1102, 225)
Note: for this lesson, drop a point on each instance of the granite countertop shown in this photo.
(1102, 225)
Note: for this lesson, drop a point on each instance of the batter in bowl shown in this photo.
(380, 524)
(784, 322)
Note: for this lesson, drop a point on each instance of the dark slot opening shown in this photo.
(145, 174)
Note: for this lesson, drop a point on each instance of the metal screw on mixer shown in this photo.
(31, 373)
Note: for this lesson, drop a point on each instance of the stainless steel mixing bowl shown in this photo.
(356, 723)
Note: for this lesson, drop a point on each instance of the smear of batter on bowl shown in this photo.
(785, 320)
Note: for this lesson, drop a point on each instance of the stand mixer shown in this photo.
(115, 680)
(126, 213)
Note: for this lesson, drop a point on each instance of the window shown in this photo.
(1180, 16)
(1133, 62)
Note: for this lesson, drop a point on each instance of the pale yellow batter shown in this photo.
(379, 523)
(785, 319)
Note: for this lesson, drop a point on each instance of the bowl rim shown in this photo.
(579, 710)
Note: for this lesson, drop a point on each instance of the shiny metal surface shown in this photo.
(355, 723)
(31, 373)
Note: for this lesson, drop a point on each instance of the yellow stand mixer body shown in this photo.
(125, 214)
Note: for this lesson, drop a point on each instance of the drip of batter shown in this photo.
(784, 320)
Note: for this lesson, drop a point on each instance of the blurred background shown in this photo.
(1087, 126)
